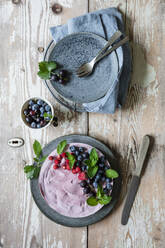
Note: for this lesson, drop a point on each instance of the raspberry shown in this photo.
(59, 157)
(78, 169)
(68, 167)
(82, 176)
(55, 167)
(51, 157)
(56, 161)
(67, 161)
(74, 171)
(63, 155)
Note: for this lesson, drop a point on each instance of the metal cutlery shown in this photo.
(135, 180)
(87, 68)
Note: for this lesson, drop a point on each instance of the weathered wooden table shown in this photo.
(23, 29)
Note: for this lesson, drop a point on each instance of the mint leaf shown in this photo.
(47, 115)
(87, 162)
(43, 159)
(92, 171)
(51, 65)
(36, 172)
(37, 148)
(71, 159)
(99, 192)
(111, 173)
(29, 174)
(28, 168)
(43, 66)
(44, 75)
(61, 146)
(92, 201)
(105, 200)
(93, 157)
(36, 160)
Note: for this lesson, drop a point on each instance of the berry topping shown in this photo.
(86, 190)
(82, 176)
(73, 148)
(59, 157)
(55, 166)
(83, 183)
(63, 155)
(78, 169)
(80, 158)
(26, 112)
(56, 161)
(68, 167)
(81, 149)
(74, 171)
(51, 157)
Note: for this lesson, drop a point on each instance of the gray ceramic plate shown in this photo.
(71, 52)
(84, 221)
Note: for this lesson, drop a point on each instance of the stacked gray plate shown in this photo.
(71, 52)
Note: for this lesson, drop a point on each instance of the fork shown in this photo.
(87, 68)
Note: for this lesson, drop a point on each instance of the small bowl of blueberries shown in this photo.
(37, 113)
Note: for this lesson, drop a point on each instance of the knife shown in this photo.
(135, 180)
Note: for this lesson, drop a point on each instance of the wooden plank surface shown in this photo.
(142, 114)
(24, 28)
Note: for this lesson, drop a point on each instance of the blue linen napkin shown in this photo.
(104, 23)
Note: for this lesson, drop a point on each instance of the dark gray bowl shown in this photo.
(84, 221)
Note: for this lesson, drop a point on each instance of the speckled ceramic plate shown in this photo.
(71, 52)
(84, 221)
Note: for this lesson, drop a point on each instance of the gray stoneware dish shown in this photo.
(83, 221)
(71, 52)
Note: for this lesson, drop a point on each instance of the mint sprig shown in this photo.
(61, 146)
(71, 159)
(45, 69)
(101, 198)
(92, 163)
(32, 171)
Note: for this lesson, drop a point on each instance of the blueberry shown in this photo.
(33, 125)
(47, 118)
(102, 159)
(38, 119)
(29, 107)
(81, 149)
(85, 155)
(49, 113)
(47, 108)
(42, 110)
(108, 180)
(109, 186)
(86, 190)
(103, 179)
(106, 168)
(78, 163)
(38, 126)
(40, 102)
(29, 119)
(61, 81)
(42, 123)
(35, 107)
(54, 77)
(80, 158)
(63, 73)
(31, 102)
(95, 184)
(26, 112)
(100, 172)
(106, 191)
(83, 168)
(77, 153)
(83, 184)
(89, 180)
(42, 115)
(101, 165)
(73, 148)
